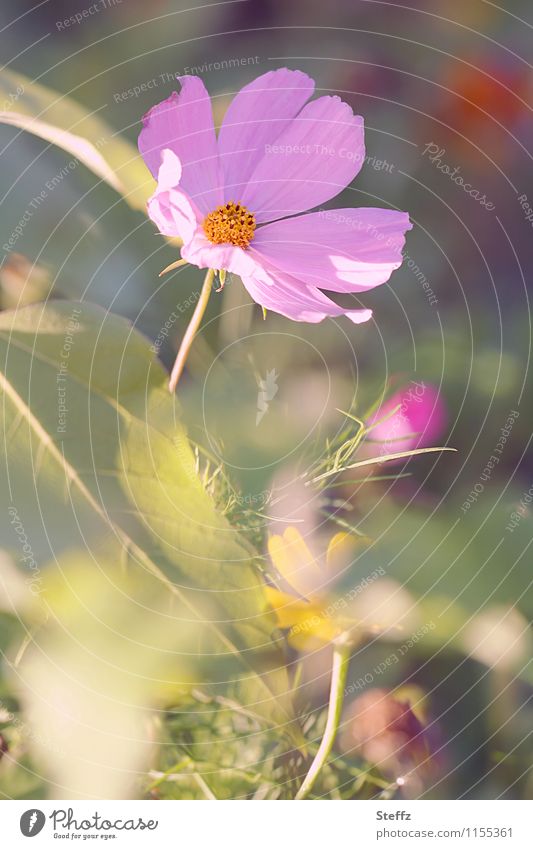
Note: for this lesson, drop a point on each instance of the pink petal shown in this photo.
(204, 254)
(170, 208)
(343, 250)
(313, 159)
(257, 115)
(184, 123)
(290, 297)
(275, 291)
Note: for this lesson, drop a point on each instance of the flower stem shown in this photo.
(341, 659)
(191, 331)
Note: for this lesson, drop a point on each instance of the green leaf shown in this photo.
(96, 450)
(62, 121)
(94, 672)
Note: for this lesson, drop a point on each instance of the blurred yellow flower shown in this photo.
(304, 610)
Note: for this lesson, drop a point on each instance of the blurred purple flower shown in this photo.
(419, 420)
(387, 730)
(277, 155)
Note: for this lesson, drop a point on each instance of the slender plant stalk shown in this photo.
(191, 331)
(341, 659)
(204, 787)
(377, 460)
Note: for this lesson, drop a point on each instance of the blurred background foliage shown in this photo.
(109, 680)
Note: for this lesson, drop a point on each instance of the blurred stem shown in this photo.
(204, 787)
(339, 669)
(191, 331)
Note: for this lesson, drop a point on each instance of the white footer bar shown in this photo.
(268, 825)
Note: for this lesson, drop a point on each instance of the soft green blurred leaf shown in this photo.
(62, 121)
(95, 449)
(94, 672)
(71, 143)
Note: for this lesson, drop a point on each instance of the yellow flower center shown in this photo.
(230, 223)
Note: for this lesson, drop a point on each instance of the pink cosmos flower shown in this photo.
(418, 422)
(236, 200)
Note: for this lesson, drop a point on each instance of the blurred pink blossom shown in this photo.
(417, 423)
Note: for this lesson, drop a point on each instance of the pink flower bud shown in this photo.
(418, 422)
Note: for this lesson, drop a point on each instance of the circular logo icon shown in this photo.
(32, 822)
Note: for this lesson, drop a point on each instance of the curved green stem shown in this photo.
(191, 331)
(339, 669)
